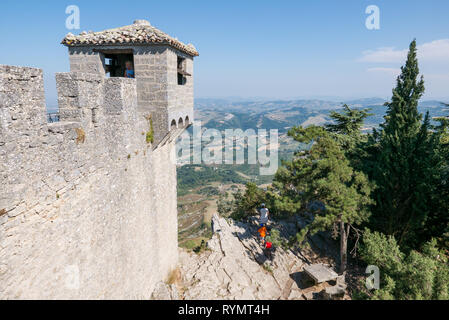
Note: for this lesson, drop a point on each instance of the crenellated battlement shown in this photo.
(86, 194)
(92, 98)
(97, 106)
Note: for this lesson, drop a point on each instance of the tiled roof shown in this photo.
(141, 32)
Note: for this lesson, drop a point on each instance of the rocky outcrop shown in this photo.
(236, 267)
(165, 291)
(336, 292)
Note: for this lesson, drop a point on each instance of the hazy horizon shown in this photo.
(53, 107)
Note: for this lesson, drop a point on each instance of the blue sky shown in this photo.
(266, 49)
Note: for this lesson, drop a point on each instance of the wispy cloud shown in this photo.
(389, 71)
(383, 55)
(435, 51)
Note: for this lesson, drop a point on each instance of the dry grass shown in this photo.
(267, 268)
(81, 136)
(174, 277)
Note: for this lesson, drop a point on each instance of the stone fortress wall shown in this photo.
(87, 207)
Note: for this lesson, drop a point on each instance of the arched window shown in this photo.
(187, 121)
(180, 123)
(173, 124)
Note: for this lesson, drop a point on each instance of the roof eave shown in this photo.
(192, 53)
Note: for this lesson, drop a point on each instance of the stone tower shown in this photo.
(163, 70)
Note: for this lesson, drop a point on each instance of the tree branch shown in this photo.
(358, 232)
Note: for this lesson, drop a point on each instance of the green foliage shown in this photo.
(267, 268)
(300, 236)
(225, 206)
(209, 191)
(193, 176)
(395, 180)
(419, 275)
(404, 162)
(196, 245)
(150, 136)
(246, 204)
(349, 122)
(347, 126)
(382, 251)
(437, 224)
(283, 198)
(323, 174)
(443, 127)
(346, 130)
(277, 240)
(202, 247)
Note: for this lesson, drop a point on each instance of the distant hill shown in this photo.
(366, 101)
(284, 114)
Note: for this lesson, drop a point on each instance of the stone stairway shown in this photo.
(171, 136)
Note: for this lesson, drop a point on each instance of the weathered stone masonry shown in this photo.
(83, 197)
(88, 204)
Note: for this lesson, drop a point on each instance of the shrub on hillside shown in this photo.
(417, 275)
(246, 204)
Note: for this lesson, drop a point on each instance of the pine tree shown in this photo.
(419, 275)
(347, 130)
(348, 122)
(246, 204)
(404, 171)
(323, 175)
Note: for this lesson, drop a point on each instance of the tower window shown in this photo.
(182, 73)
(118, 63)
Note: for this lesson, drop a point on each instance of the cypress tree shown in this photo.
(403, 171)
(437, 224)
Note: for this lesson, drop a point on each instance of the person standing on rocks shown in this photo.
(268, 248)
(264, 213)
(262, 234)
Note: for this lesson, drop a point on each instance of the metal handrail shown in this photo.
(52, 117)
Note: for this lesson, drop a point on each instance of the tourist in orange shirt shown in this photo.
(262, 233)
